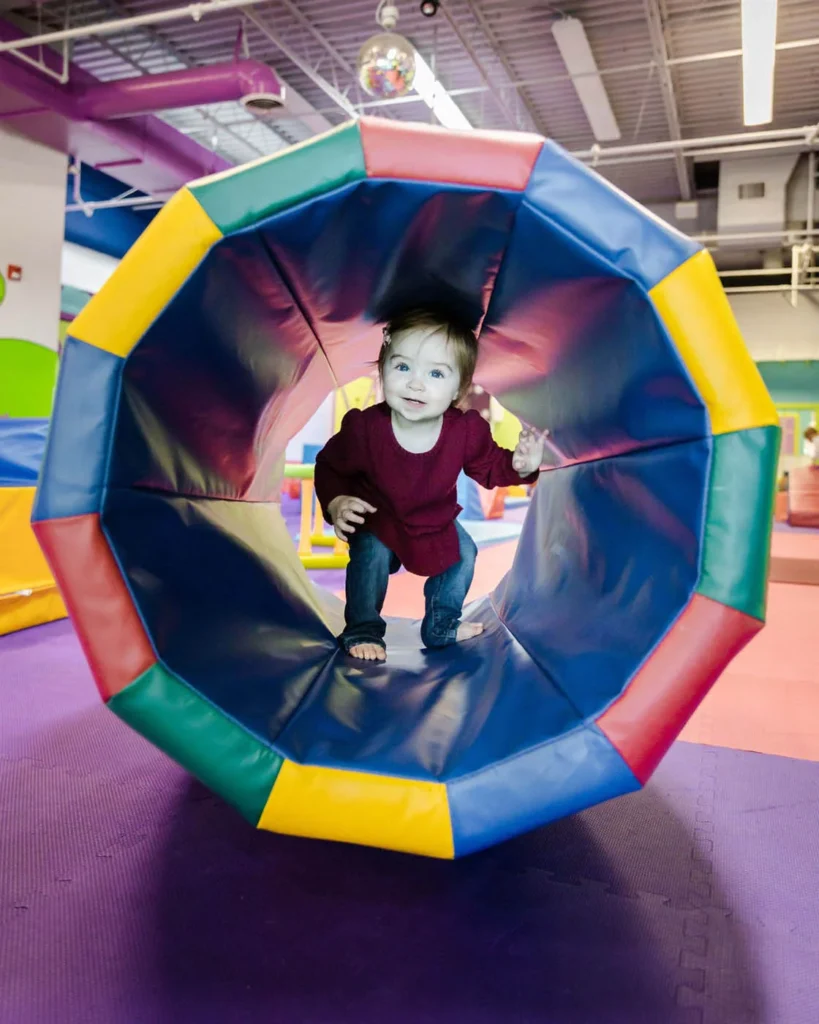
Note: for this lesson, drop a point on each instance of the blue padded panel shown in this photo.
(356, 255)
(22, 442)
(76, 455)
(609, 556)
(628, 236)
(541, 785)
(215, 585)
(225, 375)
(569, 348)
(429, 714)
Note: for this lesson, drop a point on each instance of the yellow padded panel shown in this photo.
(23, 611)
(696, 312)
(150, 274)
(28, 593)
(22, 565)
(357, 807)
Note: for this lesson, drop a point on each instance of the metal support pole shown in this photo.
(599, 152)
(775, 288)
(795, 265)
(104, 28)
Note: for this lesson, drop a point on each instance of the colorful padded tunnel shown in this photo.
(642, 566)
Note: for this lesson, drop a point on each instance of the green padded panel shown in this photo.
(238, 199)
(739, 519)
(221, 754)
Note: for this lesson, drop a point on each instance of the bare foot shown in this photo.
(467, 630)
(368, 652)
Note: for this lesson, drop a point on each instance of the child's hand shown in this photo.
(528, 455)
(345, 511)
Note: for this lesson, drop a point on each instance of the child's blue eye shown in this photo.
(436, 373)
(402, 367)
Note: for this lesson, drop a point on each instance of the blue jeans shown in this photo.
(368, 573)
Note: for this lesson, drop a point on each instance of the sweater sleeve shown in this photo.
(486, 462)
(339, 462)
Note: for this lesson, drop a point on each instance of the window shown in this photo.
(752, 190)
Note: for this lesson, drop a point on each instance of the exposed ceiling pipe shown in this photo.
(194, 11)
(146, 138)
(252, 83)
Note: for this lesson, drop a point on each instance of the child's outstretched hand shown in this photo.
(528, 455)
(345, 512)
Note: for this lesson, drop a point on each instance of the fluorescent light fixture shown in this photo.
(758, 60)
(436, 97)
(573, 43)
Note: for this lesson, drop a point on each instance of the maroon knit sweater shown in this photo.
(415, 495)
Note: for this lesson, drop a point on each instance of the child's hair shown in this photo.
(810, 433)
(458, 335)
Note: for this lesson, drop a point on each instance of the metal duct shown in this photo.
(250, 82)
(146, 138)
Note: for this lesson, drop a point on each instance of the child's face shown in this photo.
(421, 378)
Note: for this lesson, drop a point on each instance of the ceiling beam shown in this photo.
(509, 114)
(326, 87)
(657, 20)
(319, 37)
(497, 50)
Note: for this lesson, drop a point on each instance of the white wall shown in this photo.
(84, 268)
(773, 329)
(32, 214)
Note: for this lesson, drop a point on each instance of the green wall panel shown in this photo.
(247, 195)
(792, 381)
(221, 754)
(739, 519)
(28, 375)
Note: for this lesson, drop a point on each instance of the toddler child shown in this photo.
(387, 481)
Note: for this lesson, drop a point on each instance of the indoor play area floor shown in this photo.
(131, 895)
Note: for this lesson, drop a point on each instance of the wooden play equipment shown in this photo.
(311, 530)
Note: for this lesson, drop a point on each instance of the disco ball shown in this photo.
(386, 65)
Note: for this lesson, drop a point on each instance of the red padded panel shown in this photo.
(100, 606)
(490, 159)
(646, 720)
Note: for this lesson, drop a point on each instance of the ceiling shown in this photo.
(497, 57)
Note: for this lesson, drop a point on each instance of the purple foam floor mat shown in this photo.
(130, 895)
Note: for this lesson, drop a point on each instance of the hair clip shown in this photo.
(385, 336)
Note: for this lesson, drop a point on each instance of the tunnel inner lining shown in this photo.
(609, 553)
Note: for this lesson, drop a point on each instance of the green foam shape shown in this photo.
(28, 376)
(241, 198)
(739, 519)
(221, 754)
